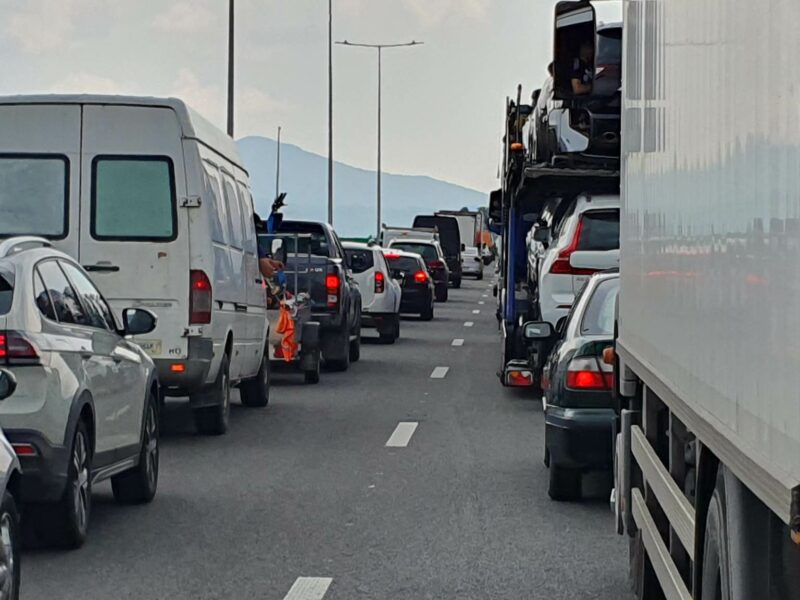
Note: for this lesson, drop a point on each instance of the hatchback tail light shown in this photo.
(15, 348)
(332, 289)
(380, 282)
(421, 277)
(561, 265)
(200, 298)
(587, 373)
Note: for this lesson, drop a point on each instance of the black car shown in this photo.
(417, 285)
(432, 254)
(577, 387)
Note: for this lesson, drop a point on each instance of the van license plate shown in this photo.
(151, 347)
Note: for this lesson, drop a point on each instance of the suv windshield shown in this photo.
(33, 195)
(6, 292)
(427, 251)
(599, 316)
(599, 230)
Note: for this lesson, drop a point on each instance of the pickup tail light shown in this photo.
(200, 298)
(380, 282)
(332, 289)
(561, 265)
(587, 373)
(15, 348)
(421, 277)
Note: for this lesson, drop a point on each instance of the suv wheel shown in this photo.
(390, 336)
(70, 517)
(427, 314)
(138, 485)
(441, 293)
(255, 392)
(213, 420)
(355, 344)
(9, 548)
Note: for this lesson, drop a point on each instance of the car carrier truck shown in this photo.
(707, 481)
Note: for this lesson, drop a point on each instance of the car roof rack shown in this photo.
(18, 244)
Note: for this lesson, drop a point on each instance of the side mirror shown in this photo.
(541, 235)
(534, 330)
(574, 47)
(8, 383)
(138, 321)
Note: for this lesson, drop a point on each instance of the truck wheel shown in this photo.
(138, 485)
(341, 359)
(565, 484)
(255, 392)
(213, 420)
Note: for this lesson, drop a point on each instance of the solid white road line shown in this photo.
(439, 372)
(469, 324)
(458, 342)
(477, 311)
(309, 588)
(402, 434)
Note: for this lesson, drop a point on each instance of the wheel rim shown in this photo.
(151, 446)
(7, 559)
(80, 487)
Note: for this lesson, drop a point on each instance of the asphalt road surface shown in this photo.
(395, 480)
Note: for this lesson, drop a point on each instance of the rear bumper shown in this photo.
(579, 438)
(379, 321)
(472, 266)
(195, 373)
(44, 476)
(416, 301)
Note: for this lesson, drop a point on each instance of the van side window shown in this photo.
(250, 243)
(44, 177)
(133, 198)
(234, 214)
(218, 214)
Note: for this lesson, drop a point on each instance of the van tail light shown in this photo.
(200, 298)
(421, 277)
(15, 348)
(587, 373)
(332, 289)
(561, 265)
(380, 282)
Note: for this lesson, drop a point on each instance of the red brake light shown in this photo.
(3, 347)
(200, 298)
(380, 282)
(436, 264)
(421, 277)
(519, 378)
(587, 374)
(561, 265)
(391, 255)
(16, 347)
(332, 289)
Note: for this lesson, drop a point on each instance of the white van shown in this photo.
(154, 202)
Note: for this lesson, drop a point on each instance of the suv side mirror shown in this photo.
(541, 235)
(138, 321)
(534, 330)
(574, 46)
(8, 383)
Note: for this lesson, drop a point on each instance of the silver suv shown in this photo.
(86, 402)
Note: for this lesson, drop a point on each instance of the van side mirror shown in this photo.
(574, 48)
(8, 383)
(138, 321)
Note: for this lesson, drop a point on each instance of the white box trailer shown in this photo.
(708, 460)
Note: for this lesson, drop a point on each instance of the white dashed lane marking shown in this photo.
(401, 435)
(458, 342)
(309, 588)
(477, 311)
(439, 372)
(481, 302)
(469, 324)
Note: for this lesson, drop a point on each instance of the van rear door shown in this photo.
(134, 234)
(40, 172)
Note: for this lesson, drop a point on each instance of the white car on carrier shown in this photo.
(154, 202)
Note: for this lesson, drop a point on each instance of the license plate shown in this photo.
(151, 347)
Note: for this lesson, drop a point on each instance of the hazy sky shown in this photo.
(443, 102)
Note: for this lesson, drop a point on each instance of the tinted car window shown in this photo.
(599, 316)
(600, 230)
(427, 251)
(405, 264)
(133, 199)
(6, 294)
(360, 260)
(65, 299)
(97, 310)
(23, 179)
(42, 298)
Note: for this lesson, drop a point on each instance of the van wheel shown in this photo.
(565, 484)
(138, 485)
(67, 523)
(213, 420)
(255, 392)
(10, 544)
(341, 362)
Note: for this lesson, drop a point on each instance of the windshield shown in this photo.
(33, 195)
(426, 251)
(599, 316)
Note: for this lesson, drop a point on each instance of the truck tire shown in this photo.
(565, 484)
(138, 485)
(339, 360)
(255, 392)
(213, 420)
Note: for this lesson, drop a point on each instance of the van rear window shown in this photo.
(33, 195)
(133, 198)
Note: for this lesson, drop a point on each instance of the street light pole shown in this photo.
(230, 67)
(330, 112)
(379, 48)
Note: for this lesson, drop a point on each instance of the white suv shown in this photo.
(380, 293)
(86, 405)
(587, 241)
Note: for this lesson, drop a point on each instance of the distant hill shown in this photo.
(304, 176)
